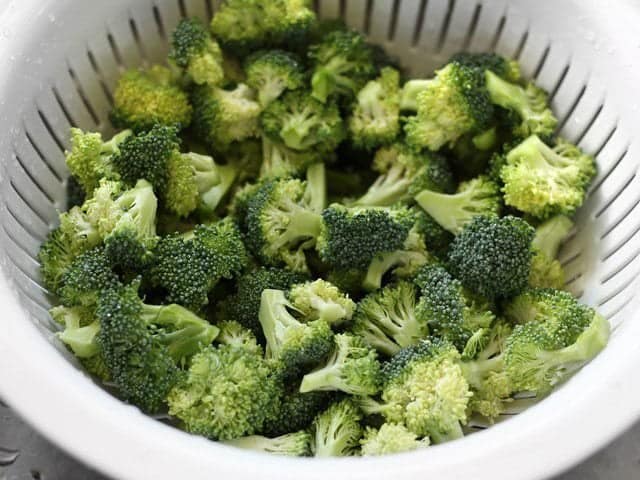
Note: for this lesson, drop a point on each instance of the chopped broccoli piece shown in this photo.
(509, 70)
(272, 72)
(80, 329)
(297, 444)
(337, 431)
(280, 161)
(233, 333)
(321, 300)
(390, 438)
(546, 271)
(295, 411)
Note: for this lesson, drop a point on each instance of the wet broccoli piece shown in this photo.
(546, 271)
(337, 431)
(390, 438)
(297, 444)
(321, 300)
(273, 72)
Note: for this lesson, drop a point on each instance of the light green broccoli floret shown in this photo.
(390, 438)
(337, 431)
(321, 300)
(297, 444)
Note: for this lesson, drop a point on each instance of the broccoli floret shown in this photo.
(425, 390)
(80, 329)
(188, 266)
(375, 119)
(387, 319)
(492, 256)
(342, 64)
(545, 181)
(546, 271)
(199, 55)
(144, 98)
(451, 312)
(321, 300)
(303, 123)
(296, 346)
(390, 438)
(227, 393)
(272, 72)
(221, 117)
(403, 174)
(409, 93)
(279, 161)
(337, 431)
(472, 153)
(476, 197)
(295, 411)
(509, 70)
(352, 368)
(297, 444)
(234, 334)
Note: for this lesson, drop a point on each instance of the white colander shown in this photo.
(59, 61)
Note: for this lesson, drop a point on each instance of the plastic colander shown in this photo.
(59, 61)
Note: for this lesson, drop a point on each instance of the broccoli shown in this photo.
(296, 411)
(342, 63)
(221, 117)
(479, 196)
(199, 55)
(234, 334)
(246, 159)
(188, 266)
(272, 72)
(387, 319)
(425, 390)
(375, 119)
(80, 329)
(144, 98)
(303, 123)
(545, 181)
(492, 256)
(403, 174)
(227, 393)
(337, 431)
(390, 438)
(315, 194)
(76, 195)
(321, 300)
(546, 271)
(472, 153)
(450, 311)
(297, 444)
(281, 161)
(508, 70)
(352, 368)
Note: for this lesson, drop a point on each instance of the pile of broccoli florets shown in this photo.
(291, 247)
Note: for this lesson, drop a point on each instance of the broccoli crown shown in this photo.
(193, 49)
(221, 117)
(426, 390)
(352, 368)
(390, 438)
(492, 256)
(233, 333)
(280, 161)
(387, 319)
(280, 224)
(321, 300)
(272, 72)
(80, 329)
(476, 197)
(227, 393)
(506, 69)
(144, 98)
(302, 122)
(545, 181)
(188, 268)
(342, 64)
(337, 431)
(451, 312)
(296, 444)
(296, 346)
(352, 237)
(295, 411)
(375, 119)
(528, 103)
(455, 102)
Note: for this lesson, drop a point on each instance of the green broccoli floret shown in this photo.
(297, 444)
(272, 72)
(342, 64)
(295, 411)
(545, 181)
(492, 256)
(321, 300)
(279, 161)
(221, 117)
(387, 319)
(228, 392)
(546, 271)
(451, 312)
(375, 119)
(89, 159)
(425, 390)
(199, 55)
(296, 346)
(352, 368)
(144, 98)
(403, 174)
(337, 431)
(188, 266)
(303, 123)
(509, 70)
(80, 329)
(234, 334)
(390, 438)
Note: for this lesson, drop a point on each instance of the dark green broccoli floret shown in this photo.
(436, 238)
(321, 300)
(342, 64)
(295, 411)
(199, 55)
(76, 195)
(297, 444)
(545, 181)
(144, 98)
(303, 123)
(506, 69)
(272, 72)
(337, 431)
(546, 271)
(390, 438)
(492, 256)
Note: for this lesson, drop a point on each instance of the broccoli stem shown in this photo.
(315, 194)
(384, 262)
(410, 91)
(296, 128)
(476, 371)
(303, 223)
(485, 140)
(326, 379)
(211, 198)
(387, 190)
